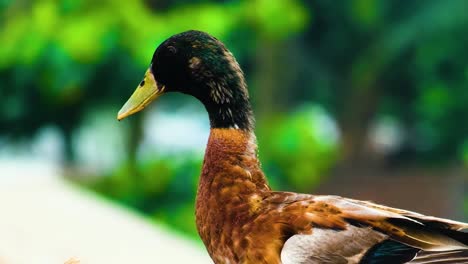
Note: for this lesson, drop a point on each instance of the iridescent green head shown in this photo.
(197, 64)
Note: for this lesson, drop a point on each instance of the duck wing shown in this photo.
(332, 229)
(448, 257)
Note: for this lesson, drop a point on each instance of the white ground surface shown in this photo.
(45, 220)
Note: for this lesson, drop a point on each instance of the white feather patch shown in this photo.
(330, 246)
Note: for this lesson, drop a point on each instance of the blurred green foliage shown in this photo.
(306, 134)
(60, 58)
(85, 31)
(360, 62)
(164, 189)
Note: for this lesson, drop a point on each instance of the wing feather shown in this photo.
(447, 257)
(329, 246)
(350, 231)
(416, 230)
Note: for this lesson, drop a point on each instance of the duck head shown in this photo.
(197, 64)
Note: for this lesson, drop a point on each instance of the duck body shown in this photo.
(240, 219)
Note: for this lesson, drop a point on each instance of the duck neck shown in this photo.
(231, 166)
(231, 154)
(226, 98)
(234, 114)
(231, 184)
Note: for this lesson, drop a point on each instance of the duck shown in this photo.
(239, 218)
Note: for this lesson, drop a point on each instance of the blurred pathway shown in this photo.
(45, 220)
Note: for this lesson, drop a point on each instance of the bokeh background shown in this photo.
(361, 98)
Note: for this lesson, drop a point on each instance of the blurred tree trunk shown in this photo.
(359, 109)
(267, 81)
(68, 151)
(134, 139)
(67, 125)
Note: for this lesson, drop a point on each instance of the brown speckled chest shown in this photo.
(239, 218)
(230, 213)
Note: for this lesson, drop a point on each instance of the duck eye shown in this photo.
(142, 83)
(172, 49)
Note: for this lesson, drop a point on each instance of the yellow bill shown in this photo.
(146, 92)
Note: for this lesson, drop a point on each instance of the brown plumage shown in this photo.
(240, 219)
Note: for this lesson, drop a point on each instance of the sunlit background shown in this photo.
(365, 98)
